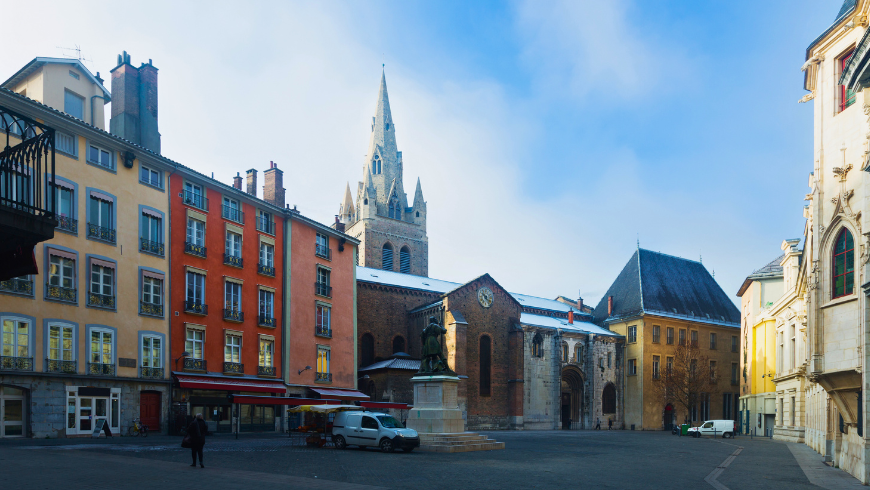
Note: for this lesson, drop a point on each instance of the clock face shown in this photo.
(484, 295)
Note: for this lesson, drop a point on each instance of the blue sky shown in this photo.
(548, 136)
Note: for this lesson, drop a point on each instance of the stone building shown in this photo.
(392, 234)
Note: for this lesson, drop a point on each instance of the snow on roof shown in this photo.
(543, 303)
(550, 322)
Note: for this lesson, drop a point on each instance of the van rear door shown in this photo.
(351, 428)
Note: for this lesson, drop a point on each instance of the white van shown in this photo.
(374, 429)
(723, 428)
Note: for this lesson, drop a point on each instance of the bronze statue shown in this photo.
(433, 358)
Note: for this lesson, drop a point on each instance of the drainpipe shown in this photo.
(167, 287)
(92, 107)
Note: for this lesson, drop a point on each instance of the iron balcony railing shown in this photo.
(100, 369)
(266, 270)
(195, 307)
(151, 309)
(323, 331)
(265, 321)
(266, 371)
(265, 225)
(192, 364)
(151, 246)
(323, 289)
(195, 249)
(59, 366)
(323, 251)
(66, 223)
(233, 260)
(234, 315)
(323, 377)
(234, 368)
(17, 285)
(233, 214)
(101, 300)
(196, 200)
(60, 294)
(9, 363)
(151, 372)
(101, 233)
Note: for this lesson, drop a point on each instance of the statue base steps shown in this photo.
(460, 442)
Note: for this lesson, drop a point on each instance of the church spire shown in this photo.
(346, 211)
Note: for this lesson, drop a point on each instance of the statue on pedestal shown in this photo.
(433, 361)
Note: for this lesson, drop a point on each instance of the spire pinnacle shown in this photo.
(347, 204)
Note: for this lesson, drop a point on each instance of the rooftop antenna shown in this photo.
(67, 53)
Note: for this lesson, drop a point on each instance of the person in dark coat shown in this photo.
(197, 430)
(609, 427)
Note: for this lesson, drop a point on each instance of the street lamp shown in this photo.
(182, 356)
(306, 369)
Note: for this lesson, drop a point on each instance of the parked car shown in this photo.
(725, 428)
(372, 429)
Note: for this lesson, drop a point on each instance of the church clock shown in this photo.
(484, 295)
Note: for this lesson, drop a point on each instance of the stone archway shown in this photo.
(571, 400)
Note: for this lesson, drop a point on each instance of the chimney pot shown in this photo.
(609, 305)
(252, 182)
(571, 317)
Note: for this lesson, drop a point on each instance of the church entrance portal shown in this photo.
(572, 398)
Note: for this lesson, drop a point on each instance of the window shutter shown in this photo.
(387, 262)
(404, 261)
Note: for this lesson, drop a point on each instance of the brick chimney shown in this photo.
(237, 181)
(252, 182)
(273, 187)
(579, 303)
(571, 317)
(609, 305)
(338, 224)
(134, 103)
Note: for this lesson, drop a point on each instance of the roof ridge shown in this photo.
(672, 256)
(640, 278)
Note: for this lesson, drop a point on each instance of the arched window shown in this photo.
(387, 257)
(485, 365)
(538, 346)
(564, 351)
(418, 214)
(405, 260)
(844, 265)
(376, 165)
(367, 350)
(608, 399)
(578, 352)
(394, 211)
(398, 344)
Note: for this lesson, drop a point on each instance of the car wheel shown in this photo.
(339, 442)
(727, 435)
(386, 445)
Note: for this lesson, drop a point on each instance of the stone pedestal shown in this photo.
(436, 407)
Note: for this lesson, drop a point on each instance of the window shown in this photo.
(322, 320)
(669, 335)
(322, 287)
(656, 334)
(195, 292)
(195, 232)
(193, 343)
(267, 308)
(609, 357)
(66, 205)
(608, 399)
(152, 352)
(233, 348)
(712, 341)
(150, 176)
(232, 296)
(60, 342)
(101, 217)
(267, 254)
(394, 210)
(152, 294)
(734, 373)
(694, 338)
(66, 143)
(102, 285)
(15, 341)
(267, 352)
(321, 247)
(151, 233)
(323, 363)
(233, 244)
(792, 353)
(712, 371)
(847, 96)
(194, 196)
(733, 343)
(265, 223)
(367, 349)
(398, 344)
(727, 406)
(578, 352)
(101, 351)
(538, 346)
(232, 210)
(682, 336)
(376, 165)
(405, 260)
(632, 334)
(655, 366)
(485, 365)
(74, 105)
(669, 365)
(387, 257)
(632, 367)
(61, 274)
(792, 418)
(101, 157)
(844, 264)
(564, 352)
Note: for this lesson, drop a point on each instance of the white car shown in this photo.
(373, 429)
(724, 428)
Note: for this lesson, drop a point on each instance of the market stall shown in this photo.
(317, 430)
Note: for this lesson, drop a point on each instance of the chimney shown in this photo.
(579, 303)
(252, 182)
(609, 305)
(338, 224)
(237, 181)
(134, 103)
(273, 186)
(571, 317)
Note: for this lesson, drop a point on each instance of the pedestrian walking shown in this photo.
(597, 424)
(609, 424)
(197, 430)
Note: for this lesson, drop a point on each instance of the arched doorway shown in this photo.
(12, 411)
(608, 400)
(572, 398)
(668, 417)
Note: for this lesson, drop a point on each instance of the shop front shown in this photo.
(13, 404)
(87, 405)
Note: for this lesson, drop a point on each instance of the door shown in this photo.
(566, 411)
(86, 414)
(351, 428)
(707, 428)
(149, 410)
(12, 418)
(368, 431)
(668, 417)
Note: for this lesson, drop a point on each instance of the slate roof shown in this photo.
(405, 364)
(847, 8)
(560, 323)
(664, 285)
(770, 270)
(39, 62)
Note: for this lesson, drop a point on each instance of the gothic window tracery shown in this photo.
(376, 165)
(843, 271)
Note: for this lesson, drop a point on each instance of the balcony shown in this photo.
(65, 223)
(323, 289)
(101, 233)
(233, 260)
(99, 369)
(266, 270)
(234, 315)
(265, 321)
(323, 331)
(17, 285)
(8, 363)
(191, 364)
(196, 200)
(266, 371)
(234, 368)
(67, 295)
(194, 249)
(233, 214)
(195, 307)
(101, 300)
(323, 251)
(266, 226)
(150, 309)
(151, 247)
(58, 366)
(151, 373)
(323, 378)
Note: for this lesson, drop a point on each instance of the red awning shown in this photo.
(340, 394)
(402, 406)
(277, 400)
(230, 384)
